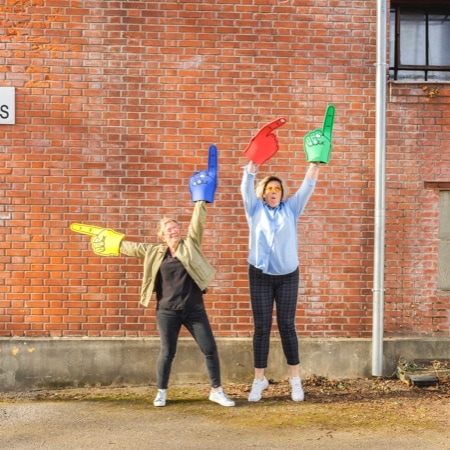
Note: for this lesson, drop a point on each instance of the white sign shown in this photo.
(7, 105)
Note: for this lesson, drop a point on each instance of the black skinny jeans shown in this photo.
(197, 323)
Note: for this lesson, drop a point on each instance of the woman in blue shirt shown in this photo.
(273, 268)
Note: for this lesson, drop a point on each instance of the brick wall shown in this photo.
(116, 106)
(417, 168)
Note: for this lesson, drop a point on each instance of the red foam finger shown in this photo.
(264, 144)
(277, 123)
(262, 148)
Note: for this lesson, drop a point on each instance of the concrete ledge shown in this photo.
(65, 362)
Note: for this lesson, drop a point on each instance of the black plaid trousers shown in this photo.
(264, 291)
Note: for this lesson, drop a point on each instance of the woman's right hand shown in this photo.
(252, 167)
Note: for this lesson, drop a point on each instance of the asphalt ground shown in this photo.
(113, 418)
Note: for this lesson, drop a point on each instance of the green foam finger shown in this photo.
(328, 121)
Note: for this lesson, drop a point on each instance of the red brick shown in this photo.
(111, 124)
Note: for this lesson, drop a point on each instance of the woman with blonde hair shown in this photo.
(273, 268)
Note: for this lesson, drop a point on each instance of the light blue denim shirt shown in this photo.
(273, 231)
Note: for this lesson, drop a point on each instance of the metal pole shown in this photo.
(380, 200)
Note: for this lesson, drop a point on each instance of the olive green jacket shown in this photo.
(188, 252)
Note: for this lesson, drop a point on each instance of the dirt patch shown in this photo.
(381, 400)
(317, 390)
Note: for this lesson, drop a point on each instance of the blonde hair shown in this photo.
(162, 224)
(261, 186)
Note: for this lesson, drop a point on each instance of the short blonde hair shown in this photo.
(261, 186)
(162, 224)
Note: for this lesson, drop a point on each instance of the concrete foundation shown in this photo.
(65, 362)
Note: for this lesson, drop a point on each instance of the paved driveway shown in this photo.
(99, 425)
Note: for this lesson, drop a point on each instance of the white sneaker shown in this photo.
(221, 398)
(258, 387)
(160, 399)
(297, 391)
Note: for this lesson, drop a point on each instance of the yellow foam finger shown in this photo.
(81, 228)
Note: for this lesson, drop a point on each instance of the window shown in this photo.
(420, 40)
(444, 241)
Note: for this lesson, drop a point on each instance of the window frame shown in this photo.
(444, 241)
(433, 7)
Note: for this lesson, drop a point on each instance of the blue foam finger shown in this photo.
(212, 161)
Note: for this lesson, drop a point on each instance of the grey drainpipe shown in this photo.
(380, 196)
